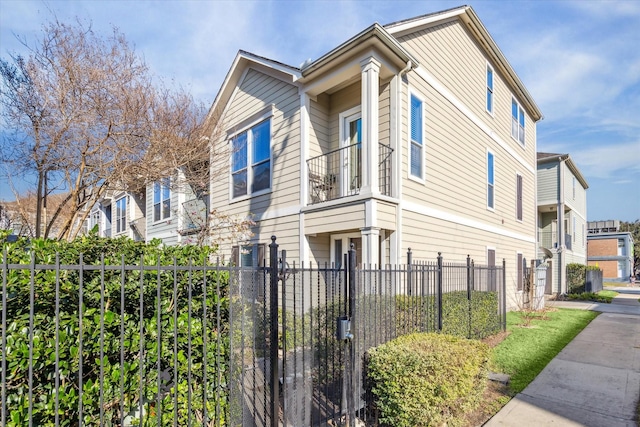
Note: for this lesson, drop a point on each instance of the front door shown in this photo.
(340, 245)
(352, 152)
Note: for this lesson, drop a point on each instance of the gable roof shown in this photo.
(544, 158)
(467, 15)
(242, 61)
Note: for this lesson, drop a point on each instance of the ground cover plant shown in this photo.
(605, 296)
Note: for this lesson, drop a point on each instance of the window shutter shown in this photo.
(519, 196)
(235, 256)
(262, 250)
(520, 273)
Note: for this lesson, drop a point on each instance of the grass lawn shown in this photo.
(533, 342)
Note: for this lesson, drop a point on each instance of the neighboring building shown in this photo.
(562, 216)
(176, 214)
(168, 210)
(119, 213)
(610, 249)
(418, 134)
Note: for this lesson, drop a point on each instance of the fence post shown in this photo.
(469, 293)
(273, 341)
(409, 272)
(503, 299)
(439, 291)
(351, 410)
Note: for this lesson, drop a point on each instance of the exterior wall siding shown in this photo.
(547, 184)
(256, 93)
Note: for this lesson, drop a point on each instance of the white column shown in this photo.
(305, 106)
(370, 111)
(370, 246)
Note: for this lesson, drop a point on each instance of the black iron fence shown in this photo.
(210, 345)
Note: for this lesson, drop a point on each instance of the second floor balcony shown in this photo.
(338, 173)
(549, 240)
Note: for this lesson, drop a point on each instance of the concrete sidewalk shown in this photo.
(594, 381)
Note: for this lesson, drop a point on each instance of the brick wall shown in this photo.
(609, 268)
(602, 247)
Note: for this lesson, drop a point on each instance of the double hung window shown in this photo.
(490, 181)
(121, 215)
(251, 160)
(417, 136)
(161, 200)
(489, 89)
(517, 121)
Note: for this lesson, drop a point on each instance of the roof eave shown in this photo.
(375, 30)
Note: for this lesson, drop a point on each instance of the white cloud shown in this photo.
(608, 160)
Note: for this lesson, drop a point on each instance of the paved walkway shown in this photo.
(594, 381)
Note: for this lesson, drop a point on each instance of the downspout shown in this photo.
(406, 69)
(396, 240)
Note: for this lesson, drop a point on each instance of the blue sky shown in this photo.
(579, 59)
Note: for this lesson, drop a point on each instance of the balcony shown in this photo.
(549, 240)
(338, 173)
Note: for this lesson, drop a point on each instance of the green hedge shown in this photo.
(427, 379)
(475, 318)
(577, 277)
(104, 317)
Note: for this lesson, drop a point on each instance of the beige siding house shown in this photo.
(562, 216)
(418, 134)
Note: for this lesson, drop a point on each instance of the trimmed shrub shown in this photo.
(577, 277)
(427, 379)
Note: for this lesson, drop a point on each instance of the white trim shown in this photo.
(460, 220)
(351, 115)
(419, 97)
(493, 90)
(486, 165)
(495, 253)
(522, 143)
(413, 24)
(266, 116)
(433, 82)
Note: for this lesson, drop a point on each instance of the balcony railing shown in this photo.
(549, 240)
(338, 173)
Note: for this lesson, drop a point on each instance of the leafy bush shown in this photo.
(150, 350)
(577, 277)
(475, 318)
(427, 379)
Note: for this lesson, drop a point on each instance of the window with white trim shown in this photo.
(121, 215)
(519, 197)
(517, 121)
(417, 138)
(489, 89)
(162, 200)
(251, 160)
(490, 181)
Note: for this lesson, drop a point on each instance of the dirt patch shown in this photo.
(494, 398)
(496, 339)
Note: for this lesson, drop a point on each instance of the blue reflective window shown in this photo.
(489, 89)
(417, 136)
(251, 160)
(490, 181)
